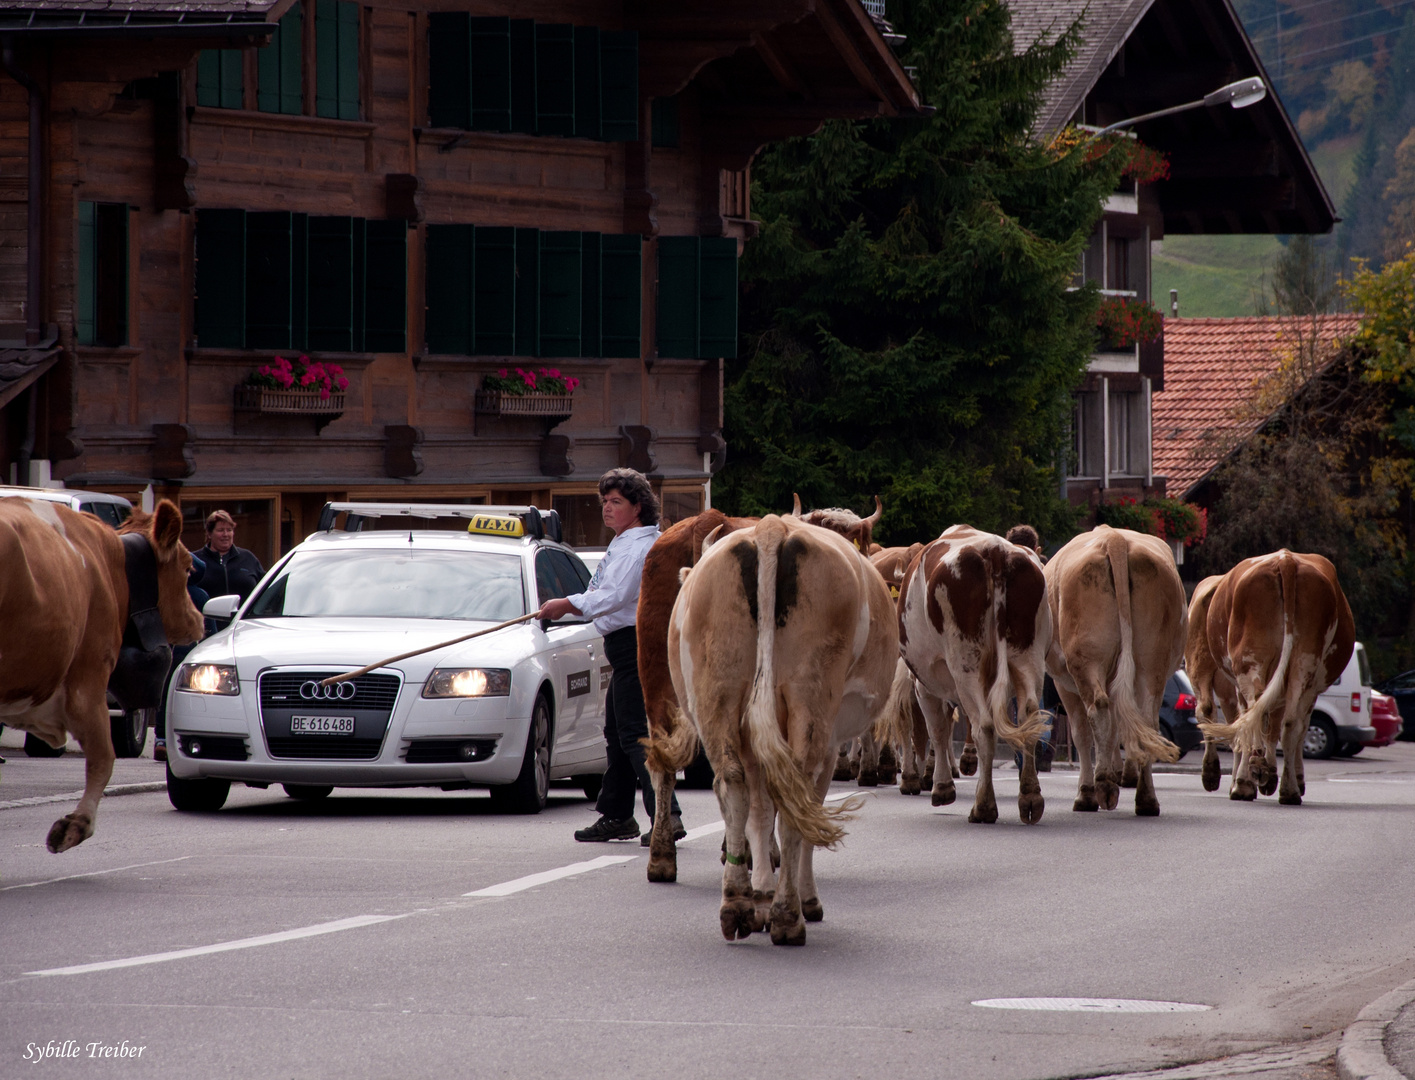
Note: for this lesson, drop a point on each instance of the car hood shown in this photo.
(256, 644)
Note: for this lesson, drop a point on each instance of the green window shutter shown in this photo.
(219, 78)
(527, 292)
(331, 277)
(678, 296)
(491, 74)
(336, 62)
(665, 122)
(494, 291)
(299, 281)
(449, 289)
(386, 286)
(590, 295)
(523, 76)
(110, 279)
(621, 289)
(555, 79)
(587, 82)
(717, 319)
(449, 102)
(279, 88)
(221, 279)
(269, 279)
(560, 254)
(619, 86)
(88, 252)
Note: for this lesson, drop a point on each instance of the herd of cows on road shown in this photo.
(771, 642)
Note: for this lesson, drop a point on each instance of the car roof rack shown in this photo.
(539, 524)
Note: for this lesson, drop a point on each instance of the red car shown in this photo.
(1385, 718)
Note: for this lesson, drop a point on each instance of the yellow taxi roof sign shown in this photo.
(496, 525)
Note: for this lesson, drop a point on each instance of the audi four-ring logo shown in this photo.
(314, 690)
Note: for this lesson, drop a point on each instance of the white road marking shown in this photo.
(530, 881)
(226, 946)
(1102, 1005)
(92, 873)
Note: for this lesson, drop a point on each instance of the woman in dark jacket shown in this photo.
(229, 569)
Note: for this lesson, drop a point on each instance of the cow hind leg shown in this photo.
(938, 718)
(89, 724)
(1210, 772)
(1030, 803)
(1083, 735)
(968, 763)
(984, 810)
(1130, 775)
(1242, 788)
(735, 913)
(1147, 803)
(812, 910)
(842, 763)
(663, 850)
(761, 821)
(869, 760)
(788, 926)
(1292, 789)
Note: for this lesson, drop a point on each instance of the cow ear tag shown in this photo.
(856, 543)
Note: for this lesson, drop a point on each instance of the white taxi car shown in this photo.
(510, 710)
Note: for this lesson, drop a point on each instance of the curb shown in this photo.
(1362, 1055)
(72, 796)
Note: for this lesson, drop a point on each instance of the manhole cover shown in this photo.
(1100, 1005)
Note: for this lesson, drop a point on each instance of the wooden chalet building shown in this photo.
(422, 192)
(1230, 171)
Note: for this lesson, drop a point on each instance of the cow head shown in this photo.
(859, 531)
(163, 531)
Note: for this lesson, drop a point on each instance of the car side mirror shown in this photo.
(221, 607)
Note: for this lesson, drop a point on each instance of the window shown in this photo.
(1086, 446)
(102, 307)
(680, 505)
(697, 296)
(279, 72)
(665, 123)
(336, 59)
(502, 74)
(281, 280)
(558, 575)
(1118, 264)
(499, 291)
(219, 78)
(581, 520)
(1121, 407)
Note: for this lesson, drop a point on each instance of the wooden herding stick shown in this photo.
(426, 648)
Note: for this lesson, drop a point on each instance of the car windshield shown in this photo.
(1363, 666)
(395, 584)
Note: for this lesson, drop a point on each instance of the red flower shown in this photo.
(343, 383)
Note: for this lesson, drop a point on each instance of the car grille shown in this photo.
(281, 689)
(443, 751)
(323, 746)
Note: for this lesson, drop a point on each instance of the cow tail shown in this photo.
(896, 721)
(1139, 736)
(1025, 730)
(666, 750)
(792, 792)
(1245, 733)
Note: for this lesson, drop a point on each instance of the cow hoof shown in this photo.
(736, 917)
(969, 762)
(1030, 806)
(1130, 777)
(842, 769)
(1086, 800)
(953, 772)
(909, 786)
(663, 868)
(1107, 794)
(1243, 791)
(868, 778)
(1290, 798)
(1269, 784)
(1302, 786)
(795, 935)
(1147, 807)
(69, 831)
(761, 913)
(812, 910)
(984, 815)
(1210, 775)
(944, 794)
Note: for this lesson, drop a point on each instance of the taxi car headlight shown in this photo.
(208, 679)
(467, 682)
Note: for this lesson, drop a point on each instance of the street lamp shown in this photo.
(1240, 95)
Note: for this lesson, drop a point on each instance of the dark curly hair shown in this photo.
(635, 487)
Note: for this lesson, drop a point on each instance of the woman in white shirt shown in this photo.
(631, 512)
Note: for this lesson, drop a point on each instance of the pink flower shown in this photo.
(334, 369)
(553, 373)
(501, 374)
(571, 383)
(306, 379)
(343, 383)
(324, 393)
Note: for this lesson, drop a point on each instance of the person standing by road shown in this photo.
(229, 569)
(630, 510)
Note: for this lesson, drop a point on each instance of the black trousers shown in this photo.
(625, 723)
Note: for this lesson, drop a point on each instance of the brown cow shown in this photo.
(66, 582)
(1210, 681)
(1117, 607)
(1280, 628)
(973, 628)
(782, 644)
(859, 531)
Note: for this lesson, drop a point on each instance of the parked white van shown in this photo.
(1341, 717)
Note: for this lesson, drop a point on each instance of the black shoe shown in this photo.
(678, 831)
(607, 829)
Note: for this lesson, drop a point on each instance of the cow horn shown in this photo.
(873, 519)
(710, 539)
(795, 505)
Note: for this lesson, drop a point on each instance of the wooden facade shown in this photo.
(214, 198)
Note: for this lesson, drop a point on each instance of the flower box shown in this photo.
(310, 402)
(500, 403)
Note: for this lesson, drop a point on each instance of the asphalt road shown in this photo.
(1286, 921)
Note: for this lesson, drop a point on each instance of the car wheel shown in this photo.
(698, 776)
(590, 784)
(199, 796)
(308, 792)
(37, 747)
(1350, 749)
(527, 793)
(1321, 741)
(130, 731)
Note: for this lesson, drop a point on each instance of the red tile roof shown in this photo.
(1212, 367)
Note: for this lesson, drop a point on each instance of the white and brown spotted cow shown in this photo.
(64, 606)
(782, 645)
(973, 630)
(1119, 619)
(1280, 629)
